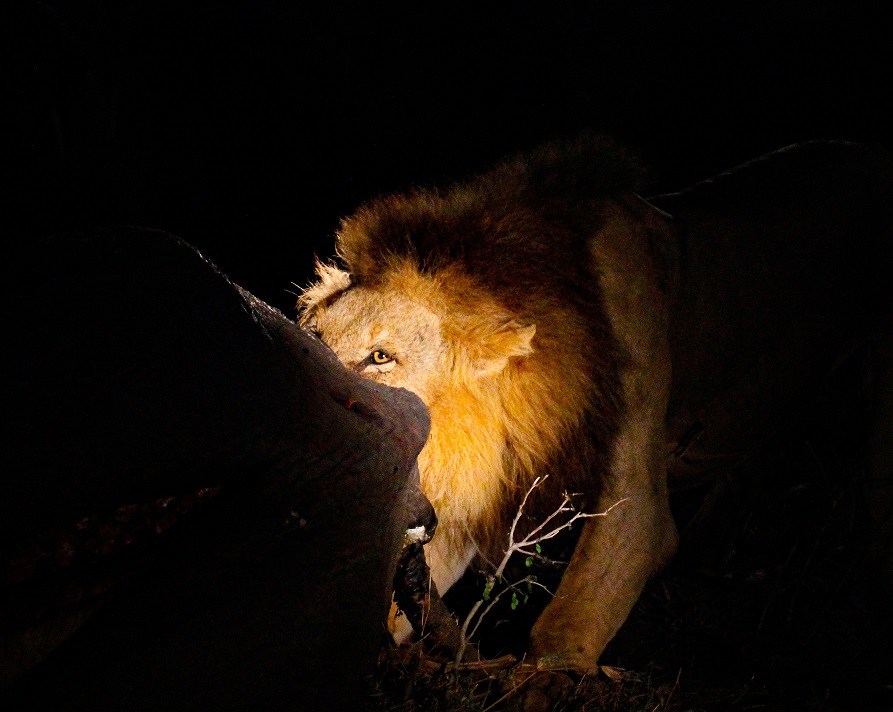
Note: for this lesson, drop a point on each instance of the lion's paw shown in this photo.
(539, 690)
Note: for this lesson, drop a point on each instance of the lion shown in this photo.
(556, 323)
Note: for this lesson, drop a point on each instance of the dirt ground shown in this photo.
(765, 608)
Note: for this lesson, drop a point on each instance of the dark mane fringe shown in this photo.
(584, 166)
(538, 207)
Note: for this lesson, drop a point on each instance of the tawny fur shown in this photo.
(543, 310)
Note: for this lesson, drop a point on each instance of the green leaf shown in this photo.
(528, 562)
(487, 588)
(514, 600)
(539, 549)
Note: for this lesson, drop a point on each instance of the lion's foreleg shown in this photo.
(613, 559)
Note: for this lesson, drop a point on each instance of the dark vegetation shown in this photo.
(765, 608)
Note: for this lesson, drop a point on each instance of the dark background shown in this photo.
(250, 128)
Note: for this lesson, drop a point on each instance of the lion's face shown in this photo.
(385, 336)
(428, 335)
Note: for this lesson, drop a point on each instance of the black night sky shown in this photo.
(250, 128)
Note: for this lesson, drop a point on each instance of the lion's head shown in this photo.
(417, 332)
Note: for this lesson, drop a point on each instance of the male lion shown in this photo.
(555, 323)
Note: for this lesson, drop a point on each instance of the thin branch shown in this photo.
(526, 546)
(490, 605)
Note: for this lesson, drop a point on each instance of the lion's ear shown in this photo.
(496, 347)
(332, 282)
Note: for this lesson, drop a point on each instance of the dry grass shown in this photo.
(412, 682)
(766, 607)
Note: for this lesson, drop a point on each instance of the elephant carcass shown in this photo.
(202, 507)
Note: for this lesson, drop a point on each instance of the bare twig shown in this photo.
(527, 546)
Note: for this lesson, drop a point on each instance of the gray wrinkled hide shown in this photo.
(142, 372)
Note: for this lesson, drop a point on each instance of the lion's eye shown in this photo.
(379, 356)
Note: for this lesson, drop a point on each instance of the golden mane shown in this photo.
(524, 396)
